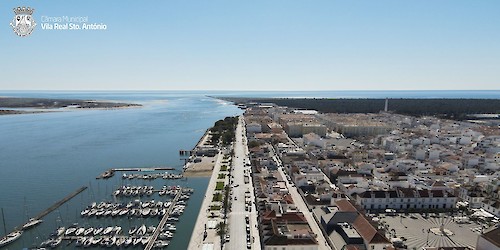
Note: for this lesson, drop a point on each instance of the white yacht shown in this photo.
(9, 238)
(32, 222)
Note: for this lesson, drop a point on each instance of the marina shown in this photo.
(166, 176)
(133, 140)
(59, 203)
(111, 172)
(18, 231)
(116, 236)
(171, 211)
(145, 190)
(166, 203)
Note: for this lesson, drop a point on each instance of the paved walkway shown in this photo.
(417, 234)
(197, 238)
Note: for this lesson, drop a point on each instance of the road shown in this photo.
(301, 205)
(236, 218)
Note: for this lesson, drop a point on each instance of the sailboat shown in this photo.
(9, 238)
(31, 223)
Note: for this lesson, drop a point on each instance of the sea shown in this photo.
(44, 157)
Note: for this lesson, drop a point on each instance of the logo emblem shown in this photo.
(23, 23)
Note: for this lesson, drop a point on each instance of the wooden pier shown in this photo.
(188, 153)
(162, 223)
(185, 153)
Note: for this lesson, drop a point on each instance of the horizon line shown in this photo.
(211, 90)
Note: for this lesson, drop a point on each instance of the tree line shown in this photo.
(224, 130)
(447, 108)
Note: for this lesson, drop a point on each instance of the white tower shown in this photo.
(386, 104)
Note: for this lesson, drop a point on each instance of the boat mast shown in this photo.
(3, 219)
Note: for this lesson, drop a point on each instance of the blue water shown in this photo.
(44, 157)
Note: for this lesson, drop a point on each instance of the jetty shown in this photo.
(185, 153)
(111, 172)
(54, 207)
(162, 223)
(112, 236)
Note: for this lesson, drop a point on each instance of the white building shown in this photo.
(407, 198)
(254, 128)
(315, 140)
(434, 154)
(420, 154)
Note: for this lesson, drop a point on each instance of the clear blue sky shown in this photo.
(257, 45)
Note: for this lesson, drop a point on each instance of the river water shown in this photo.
(44, 157)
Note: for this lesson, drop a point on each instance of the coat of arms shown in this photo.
(23, 23)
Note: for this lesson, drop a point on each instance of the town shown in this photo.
(360, 181)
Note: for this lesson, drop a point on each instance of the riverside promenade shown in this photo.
(203, 166)
(204, 223)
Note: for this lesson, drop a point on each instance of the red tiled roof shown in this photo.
(368, 232)
(270, 214)
(353, 247)
(294, 217)
(345, 206)
(288, 199)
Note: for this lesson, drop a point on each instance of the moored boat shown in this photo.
(80, 231)
(88, 231)
(98, 231)
(108, 230)
(96, 240)
(88, 242)
(70, 231)
(56, 242)
(132, 230)
(124, 211)
(80, 241)
(117, 230)
(31, 223)
(145, 211)
(141, 230)
(145, 240)
(136, 241)
(128, 241)
(60, 231)
(84, 212)
(9, 238)
(119, 241)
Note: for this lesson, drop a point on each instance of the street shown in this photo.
(236, 218)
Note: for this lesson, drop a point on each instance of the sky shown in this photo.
(256, 45)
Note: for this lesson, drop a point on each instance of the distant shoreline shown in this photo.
(20, 112)
(451, 108)
(13, 105)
